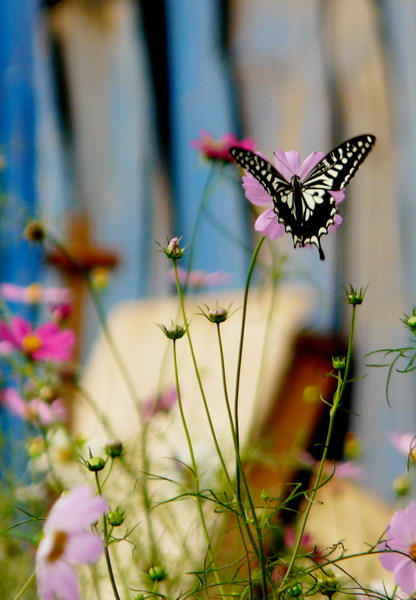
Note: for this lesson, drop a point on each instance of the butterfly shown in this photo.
(305, 207)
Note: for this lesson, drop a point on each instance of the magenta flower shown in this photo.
(401, 541)
(34, 294)
(199, 279)
(67, 542)
(46, 342)
(288, 164)
(36, 409)
(218, 149)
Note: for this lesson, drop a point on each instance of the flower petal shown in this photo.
(405, 575)
(75, 511)
(287, 163)
(255, 192)
(339, 195)
(337, 222)
(83, 547)
(20, 327)
(56, 580)
(268, 224)
(14, 402)
(309, 163)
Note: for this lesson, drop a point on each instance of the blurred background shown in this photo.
(101, 99)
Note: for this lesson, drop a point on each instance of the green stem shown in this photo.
(26, 585)
(195, 473)
(332, 413)
(198, 377)
(240, 475)
(106, 542)
(102, 320)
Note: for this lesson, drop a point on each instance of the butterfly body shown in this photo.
(306, 206)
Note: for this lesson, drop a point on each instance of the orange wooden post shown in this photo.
(86, 256)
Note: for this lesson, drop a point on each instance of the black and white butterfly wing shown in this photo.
(288, 212)
(340, 165)
(273, 182)
(306, 208)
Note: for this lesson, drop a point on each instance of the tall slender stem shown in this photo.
(332, 413)
(106, 551)
(198, 377)
(240, 475)
(195, 473)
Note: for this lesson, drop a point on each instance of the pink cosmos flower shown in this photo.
(401, 540)
(46, 342)
(67, 542)
(199, 279)
(34, 293)
(288, 164)
(36, 410)
(404, 443)
(218, 149)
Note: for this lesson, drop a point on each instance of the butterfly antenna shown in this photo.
(282, 163)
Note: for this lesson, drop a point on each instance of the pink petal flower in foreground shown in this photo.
(218, 149)
(36, 410)
(399, 548)
(68, 541)
(46, 342)
(199, 279)
(288, 164)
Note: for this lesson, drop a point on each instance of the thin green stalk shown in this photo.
(198, 377)
(241, 343)
(210, 551)
(26, 586)
(332, 413)
(240, 475)
(102, 320)
(122, 368)
(146, 498)
(106, 551)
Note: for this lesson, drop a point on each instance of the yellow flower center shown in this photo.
(412, 551)
(31, 342)
(58, 547)
(34, 293)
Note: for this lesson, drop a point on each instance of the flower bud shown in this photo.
(355, 296)
(48, 393)
(295, 591)
(338, 362)
(114, 448)
(116, 517)
(217, 314)
(95, 463)
(265, 495)
(157, 573)
(352, 447)
(35, 447)
(100, 278)
(173, 250)
(174, 332)
(328, 584)
(402, 486)
(60, 312)
(34, 231)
